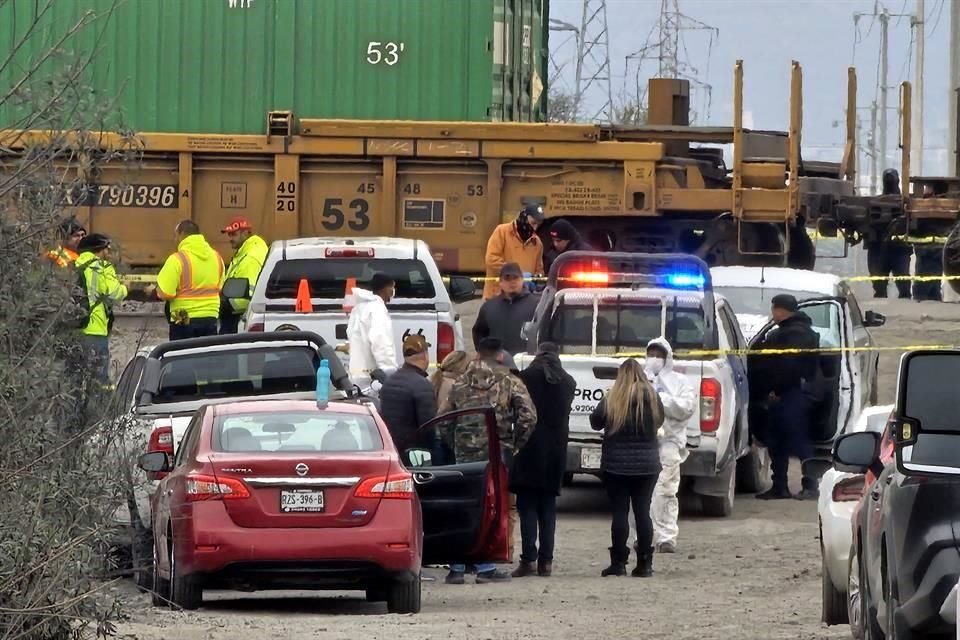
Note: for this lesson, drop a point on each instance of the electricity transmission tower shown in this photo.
(667, 46)
(593, 62)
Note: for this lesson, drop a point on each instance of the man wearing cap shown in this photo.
(563, 237)
(247, 262)
(504, 315)
(103, 291)
(406, 399)
(517, 242)
(190, 282)
(71, 232)
(791, 394)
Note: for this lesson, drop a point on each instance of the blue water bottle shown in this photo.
(323, 382)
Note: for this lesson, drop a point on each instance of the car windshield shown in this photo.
(296, 432)
(328, 277)
(624, 325)
(756, 300)
(243, 372)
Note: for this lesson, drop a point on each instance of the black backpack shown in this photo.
(79, 318)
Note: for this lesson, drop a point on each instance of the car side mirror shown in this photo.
(874, 319)
(419, 457)
(236, 288)
(856, 452)
(462, 288)
(154, 462)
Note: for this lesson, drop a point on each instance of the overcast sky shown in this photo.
(767, 35)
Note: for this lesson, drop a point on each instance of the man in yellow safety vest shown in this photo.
(102, 290)
(247, 262)
(66, 254)
(190, 283)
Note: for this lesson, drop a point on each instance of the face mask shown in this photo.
(654, 365)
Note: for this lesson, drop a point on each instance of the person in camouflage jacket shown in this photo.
(487, 383)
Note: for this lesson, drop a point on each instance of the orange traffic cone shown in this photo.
(349, 300)
(304, 303)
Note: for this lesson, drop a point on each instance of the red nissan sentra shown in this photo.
(286, 495)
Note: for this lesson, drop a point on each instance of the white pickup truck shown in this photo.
(600, 308)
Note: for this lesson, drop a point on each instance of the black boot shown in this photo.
(618, 562)
(644, 568)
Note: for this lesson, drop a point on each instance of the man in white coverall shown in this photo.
(373, 354)
(679, 400)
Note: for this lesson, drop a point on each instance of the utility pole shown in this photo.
(884, 81)
(919, 24)
(873, 148)
(952, 95)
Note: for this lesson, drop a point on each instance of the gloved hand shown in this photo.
(378, 375)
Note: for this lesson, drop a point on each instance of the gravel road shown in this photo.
(755, 575)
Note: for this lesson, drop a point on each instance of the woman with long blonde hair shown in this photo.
(629, 416)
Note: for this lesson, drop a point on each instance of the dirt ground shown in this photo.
(755, 575)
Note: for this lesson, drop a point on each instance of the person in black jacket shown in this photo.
(563, 237)
(538, 468)
(630, 415)
(406, 399)
(791, 396)
(503, 317)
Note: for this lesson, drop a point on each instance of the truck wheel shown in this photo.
(721, 506)
(834, 602)
(753, 470)
(404, 596)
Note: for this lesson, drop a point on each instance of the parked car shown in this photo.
(849, 373)
(602, 307)
(905, 556)
(295, 495)
(162, 387)
(422, 303)
(839, 494)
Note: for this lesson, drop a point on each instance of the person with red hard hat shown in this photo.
(247, 262)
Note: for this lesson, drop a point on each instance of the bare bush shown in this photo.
(63, 468)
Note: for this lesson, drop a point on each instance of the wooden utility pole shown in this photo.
(953, 96)
(919, 24)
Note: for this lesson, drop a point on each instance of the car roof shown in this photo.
(174, 349)
(286, 406)
(301, 248)
(874, 417)
(776, 278)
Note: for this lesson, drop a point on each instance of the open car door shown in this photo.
(461, 480)
(837, 381)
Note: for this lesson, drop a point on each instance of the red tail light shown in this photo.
(255, 327)
(350, 253)
(848, 489)
(394, 486)
(161, 439)
(445, 341)
(201, 487)
(710, 401)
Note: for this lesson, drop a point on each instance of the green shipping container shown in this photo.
(218, 66)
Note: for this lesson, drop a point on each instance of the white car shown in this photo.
(839, 494)
(602, 307)
(421, 305)
(849, 374)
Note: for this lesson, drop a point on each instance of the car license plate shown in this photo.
(590, 458)
(301, 501)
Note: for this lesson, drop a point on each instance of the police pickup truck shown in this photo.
(600, 308)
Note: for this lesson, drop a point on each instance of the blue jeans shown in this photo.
(96, 357)
(482, 567)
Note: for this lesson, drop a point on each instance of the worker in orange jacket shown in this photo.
(518, 242)
(71, 232)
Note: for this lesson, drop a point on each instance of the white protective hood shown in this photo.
(370, 332)
(679, 398)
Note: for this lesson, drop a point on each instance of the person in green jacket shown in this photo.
(103, 291)
(247, 262)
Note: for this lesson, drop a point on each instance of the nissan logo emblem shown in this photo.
(302, 469)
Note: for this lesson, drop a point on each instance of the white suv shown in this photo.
(422, 304)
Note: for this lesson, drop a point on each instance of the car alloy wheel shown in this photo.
(160, 591)
(855, 597)
(185, 591)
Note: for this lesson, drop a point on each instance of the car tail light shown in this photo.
(848, 489)
(710, 400)
(445, 341)
(255, 327)
(161, 439)
(350, 253)
(396, 485)
(201, 487)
